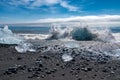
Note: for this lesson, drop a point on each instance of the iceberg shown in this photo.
(7, 37)
(82, 34)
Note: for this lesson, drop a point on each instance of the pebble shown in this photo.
(14, 69)
(11, 70)
(63, 74)
(48, 72)
(86, 69)
(79, 79)
(19, 58)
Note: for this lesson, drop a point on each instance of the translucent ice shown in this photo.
(71, 45)
(116, 52)
(82, 34)
(66, 57)
(7, 37)
(24, 47)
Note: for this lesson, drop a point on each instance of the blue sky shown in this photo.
(20, 11)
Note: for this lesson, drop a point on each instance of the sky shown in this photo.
(38, 11)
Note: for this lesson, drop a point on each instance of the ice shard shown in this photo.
(67, 57)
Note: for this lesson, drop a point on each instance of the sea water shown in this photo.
(38, 32)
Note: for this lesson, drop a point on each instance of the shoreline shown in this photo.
(50, 66)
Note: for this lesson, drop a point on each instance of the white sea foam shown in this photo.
(104, 35)
(117, 36)
(57, 32)
(34, 36)
(81, 33)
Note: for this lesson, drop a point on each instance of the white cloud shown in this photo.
(38, 3)
(83, 19)
(66, 5)
(101, 20)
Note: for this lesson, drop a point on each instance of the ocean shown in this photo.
(38, 32)
(45, 29)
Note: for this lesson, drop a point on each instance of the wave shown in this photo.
(83, 33)
(56, 32)
(116, 36)
(77, 33)
(34, 36)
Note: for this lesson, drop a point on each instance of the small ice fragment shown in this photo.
(71, 45)
(66, 57)
(22, 48)
(116, 52)
(32, 50)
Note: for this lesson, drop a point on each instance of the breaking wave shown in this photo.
(56, 32)
(81, 34)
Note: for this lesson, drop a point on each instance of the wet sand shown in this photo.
(47, 66)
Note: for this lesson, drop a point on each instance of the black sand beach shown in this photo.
(50, 66)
